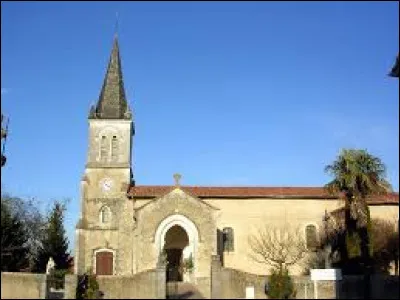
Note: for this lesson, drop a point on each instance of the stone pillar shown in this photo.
(216, 280)
(161, 281)
(70, 285)
(42, 286)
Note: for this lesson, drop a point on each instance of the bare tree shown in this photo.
(4, 131)
(32, 220)
(277, 246)
(384, 241)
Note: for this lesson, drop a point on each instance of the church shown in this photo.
(125, 229)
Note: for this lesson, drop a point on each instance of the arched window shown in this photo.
(311, 237)
(105, 215)
(228, 240)
(114, 148)
(103, 148)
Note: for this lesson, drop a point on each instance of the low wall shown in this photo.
(382, 287)
(234, 283)
(23, 286)
(204, 286)
(385, 286)
(229, 283)
(144, 285)
(70, 286)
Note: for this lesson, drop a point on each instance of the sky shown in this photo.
(224, 93)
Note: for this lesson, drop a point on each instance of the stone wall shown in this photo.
(227, 283)
(204, 286)
(382, 287)
(385, 286)
(235, 283)
(70, 286)
(144, 285)
(23, 286)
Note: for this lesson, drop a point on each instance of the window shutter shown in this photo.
(311, 237)
(103, 148)
(105, 214)
(114, 148)
(228, 239)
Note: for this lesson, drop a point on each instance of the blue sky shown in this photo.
(225, 93)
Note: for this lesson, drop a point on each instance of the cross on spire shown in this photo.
(116, 24)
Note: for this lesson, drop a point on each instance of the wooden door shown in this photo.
(104, 263)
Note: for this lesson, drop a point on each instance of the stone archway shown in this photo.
(176, 240)
(177, 237)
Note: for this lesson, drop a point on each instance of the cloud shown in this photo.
(4, 91)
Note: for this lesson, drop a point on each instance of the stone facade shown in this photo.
(186, 209)
(104, 185)
(135, 230)
(133, 226)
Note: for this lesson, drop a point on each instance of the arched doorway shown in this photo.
(179, 233)
(176, 239)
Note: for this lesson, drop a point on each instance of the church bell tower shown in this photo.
(108, 172)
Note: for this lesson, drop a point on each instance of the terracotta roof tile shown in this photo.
(152, 191)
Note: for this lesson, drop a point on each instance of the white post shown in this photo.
(315, 290)
(250, 292)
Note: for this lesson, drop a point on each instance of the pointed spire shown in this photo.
(112, 102)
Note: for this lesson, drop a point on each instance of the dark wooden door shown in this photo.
(174, 257)
(104, 263)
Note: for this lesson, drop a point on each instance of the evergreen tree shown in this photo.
(14, 253)
(281, 284)
(88, 287)
(54, 243)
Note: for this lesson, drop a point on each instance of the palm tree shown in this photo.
(357, 175)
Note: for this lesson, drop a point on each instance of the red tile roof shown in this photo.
(152, 191)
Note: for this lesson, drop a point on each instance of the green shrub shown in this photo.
(57, 278)
(281, 284)
(88, 287)
(188, 264)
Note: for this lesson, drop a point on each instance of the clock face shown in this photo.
(106, 184)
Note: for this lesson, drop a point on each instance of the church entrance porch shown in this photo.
(176, 238)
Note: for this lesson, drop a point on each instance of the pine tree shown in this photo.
(281, 284)
(54, 243)
(14, 253)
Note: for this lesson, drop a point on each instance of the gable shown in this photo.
(176, 194)
(176, 202)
